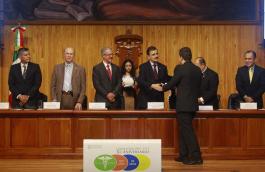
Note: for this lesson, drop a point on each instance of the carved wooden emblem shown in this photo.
(129, 46)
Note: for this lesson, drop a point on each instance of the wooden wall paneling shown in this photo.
(24, 132)
(90, 128)
(221, 45)
(226, 133)
(161, 128)
(126, 128)
(55, 133)
(2, 133)
(201, 127)
(255, 134)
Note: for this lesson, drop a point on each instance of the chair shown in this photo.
(42, 98)
(234, 101)
(84, 104)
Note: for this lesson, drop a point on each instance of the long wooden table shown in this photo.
(223, 134)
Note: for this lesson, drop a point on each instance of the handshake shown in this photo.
(158, 86)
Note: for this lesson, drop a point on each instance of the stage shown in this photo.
(52, 165)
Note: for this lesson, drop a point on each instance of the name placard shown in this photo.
(4, 105)
(155, 105)
(97, 105)
(206, 107)
(51, 105)
(249, 106)
(122, 155)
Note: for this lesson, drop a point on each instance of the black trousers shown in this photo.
(188, 143)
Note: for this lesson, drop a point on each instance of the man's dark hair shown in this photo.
(201, 60)
(185, 53)
(251, 51)
(149, 49)
(21, 51)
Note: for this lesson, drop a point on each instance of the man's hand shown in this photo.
(200, 100)
(23, 99)
(157, 87)
(248, 99)
(78, 106)
(111, 97)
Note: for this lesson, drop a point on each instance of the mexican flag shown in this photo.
(19, 41)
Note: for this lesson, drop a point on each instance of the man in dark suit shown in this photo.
(250, 80)
(187, 79)
(209, 85)
(150, 73)
(24, 81)
(107, 81)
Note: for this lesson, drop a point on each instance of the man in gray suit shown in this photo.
(68, 83)
(107, 81)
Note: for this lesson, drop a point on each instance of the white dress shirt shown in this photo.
(105, 64)
(67, 83)
(22, 67)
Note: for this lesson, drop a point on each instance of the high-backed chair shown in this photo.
(234, 101)
(84, 104)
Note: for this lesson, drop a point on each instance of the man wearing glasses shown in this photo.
(107, 81)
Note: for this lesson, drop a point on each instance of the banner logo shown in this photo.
(127, 162)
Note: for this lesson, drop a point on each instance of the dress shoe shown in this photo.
(181, 159)
(193, 162)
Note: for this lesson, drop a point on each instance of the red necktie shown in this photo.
(109, 72)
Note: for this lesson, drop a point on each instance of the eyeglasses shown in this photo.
(108, 54)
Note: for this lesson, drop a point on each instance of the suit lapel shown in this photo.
(105, 70)
(247, 74)
(18, 68)
(255, 74)
(61, 71)
(74, 73)
(150, 68)
(29, 69)
(159, 72)
(113, 70)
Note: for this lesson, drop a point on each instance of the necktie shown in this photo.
(155, 71)
(109, 72)
(24, 71)
(203, 75)
(250, 73)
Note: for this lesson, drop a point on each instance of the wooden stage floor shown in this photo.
(50, 165)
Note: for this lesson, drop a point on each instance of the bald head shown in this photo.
(69, 54)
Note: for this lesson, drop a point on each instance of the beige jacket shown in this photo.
(78, 82)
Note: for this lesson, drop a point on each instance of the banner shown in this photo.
(122, 155)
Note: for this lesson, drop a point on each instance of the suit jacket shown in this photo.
(209, 87)
(187, 79)
(78, 82)
(256, 88)
(28, 86)
(104, 85)
(146, 79)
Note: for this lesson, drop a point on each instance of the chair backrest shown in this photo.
(42, 98)
(84, 104)
(234, 101)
